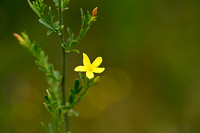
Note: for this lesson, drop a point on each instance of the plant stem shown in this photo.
(60, 13)
(57, 126)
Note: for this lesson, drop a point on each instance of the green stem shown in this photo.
(80, 75)
(83, 94)
(81, 97)
(57, 126)
(60, 13)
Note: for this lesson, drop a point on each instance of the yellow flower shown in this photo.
(89, 68)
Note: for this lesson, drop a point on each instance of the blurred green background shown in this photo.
(152, 59)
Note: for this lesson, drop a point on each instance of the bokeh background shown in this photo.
(151, 51)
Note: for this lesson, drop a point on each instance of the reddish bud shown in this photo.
(19, 38)
(94, 12)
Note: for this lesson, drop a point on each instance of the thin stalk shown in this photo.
(80, 75)
(57, 126)
(60, 14)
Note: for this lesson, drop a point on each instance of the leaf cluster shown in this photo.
(78, 93)
(39, 7)
(52, 103)
(64, 4)
(53, 76)
(55, 110)
(87, 20)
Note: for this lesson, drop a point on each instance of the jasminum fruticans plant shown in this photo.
(55, 100)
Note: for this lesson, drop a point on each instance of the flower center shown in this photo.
(90, 69)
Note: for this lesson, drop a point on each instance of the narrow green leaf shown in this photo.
(50, 68)
(45, 24)
(74, 43)
(61, 27)
(45, 127)
(85, 81)
(73, 112)
(50, 13)
(75, 50)
(49, 32)
(64, 45)
(82, 18)
(49, 94)
(79, 90)
(57, 75)
(34, 8)
(47, 98)
(56, 2)
(50, 108)
(35, 49)
(69, 31)
(71, 98)
(65, 3)
(26, 38)
(65, 108)
(55, 103)
(88, 16)
(50, 128)
(71, 91)
(40, 66)
(42, 7)
(56, 24)
(76, 85)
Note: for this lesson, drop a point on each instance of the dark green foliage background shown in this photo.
(151, 51)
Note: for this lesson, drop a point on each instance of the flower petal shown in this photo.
(98, 70)
(97, 62)
(90, 75)
(86, 61)
(80, 69)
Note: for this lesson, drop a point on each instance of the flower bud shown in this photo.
(20, 39)
(96, 80)
(94, 12)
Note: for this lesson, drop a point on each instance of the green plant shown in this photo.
(55, 98)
